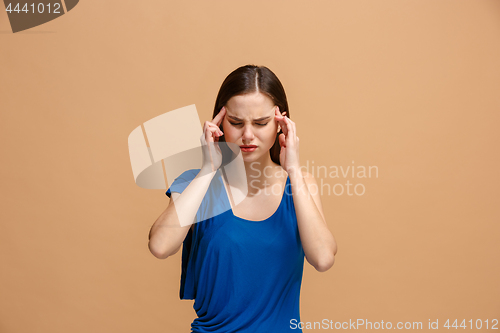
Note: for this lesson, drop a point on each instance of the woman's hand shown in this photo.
(212, 155)
(289, 142)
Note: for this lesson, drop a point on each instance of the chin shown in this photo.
(248, 159)
(252, 157)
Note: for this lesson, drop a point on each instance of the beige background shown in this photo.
(411, 87)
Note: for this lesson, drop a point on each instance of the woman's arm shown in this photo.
(170, 229)
(317, 241)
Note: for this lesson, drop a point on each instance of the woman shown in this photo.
(243, 266)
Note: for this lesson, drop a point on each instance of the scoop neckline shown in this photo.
(253, 221)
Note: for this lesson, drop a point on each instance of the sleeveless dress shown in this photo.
(244, 276)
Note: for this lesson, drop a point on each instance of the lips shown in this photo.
(248, 148)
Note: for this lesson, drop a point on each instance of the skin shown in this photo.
(239, 117)
(243, 123)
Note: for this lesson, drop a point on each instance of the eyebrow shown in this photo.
(259, 119)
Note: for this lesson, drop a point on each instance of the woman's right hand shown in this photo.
(212, 155)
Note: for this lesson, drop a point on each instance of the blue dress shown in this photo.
(244, 276)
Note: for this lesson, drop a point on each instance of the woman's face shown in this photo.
(249, 122)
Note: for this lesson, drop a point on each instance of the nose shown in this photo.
(248, 135)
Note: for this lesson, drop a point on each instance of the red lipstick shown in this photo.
(248, 148)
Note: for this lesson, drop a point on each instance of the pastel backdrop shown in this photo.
(411, 87)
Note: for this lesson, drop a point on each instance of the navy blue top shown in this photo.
(245, 276)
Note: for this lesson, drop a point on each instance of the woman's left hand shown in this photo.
(289, 142)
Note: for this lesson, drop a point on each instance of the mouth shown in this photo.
(248, 148)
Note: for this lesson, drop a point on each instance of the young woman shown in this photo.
(243, 266)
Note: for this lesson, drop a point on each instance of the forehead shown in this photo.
(250, 106)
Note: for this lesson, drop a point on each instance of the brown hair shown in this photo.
(248, 79)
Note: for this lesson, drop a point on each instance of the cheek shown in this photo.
(270, 134)
(230, 133)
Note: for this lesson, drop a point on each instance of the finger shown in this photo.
(277, 111)
(278, 114)
(287, 127)
(291, 127)
(294, 127)
(282, 140)
(293, 130)
(218, 118)
(214, 137)
(279, 118)
(213, 129)
(283, 124)
(211, 133)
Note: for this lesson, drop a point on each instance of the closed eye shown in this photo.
(259, 124)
